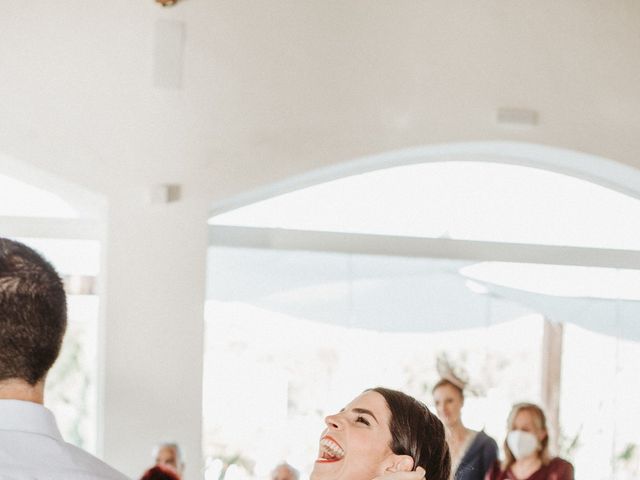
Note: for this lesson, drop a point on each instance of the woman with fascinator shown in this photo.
(472, 453)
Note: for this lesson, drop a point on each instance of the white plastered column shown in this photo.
(151, 331)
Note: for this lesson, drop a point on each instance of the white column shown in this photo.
(152, 330)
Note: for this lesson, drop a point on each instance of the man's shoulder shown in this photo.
(85, 462)
(31, 447)
(35, 474)
(26, 455)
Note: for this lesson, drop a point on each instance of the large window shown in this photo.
(459, 200)
(513, 276)
(53, 227)
(19, 199)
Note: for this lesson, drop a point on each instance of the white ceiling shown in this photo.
(274, 89)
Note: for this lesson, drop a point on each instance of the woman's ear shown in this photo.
(400, 463)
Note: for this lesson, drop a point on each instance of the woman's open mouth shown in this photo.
(330, 450)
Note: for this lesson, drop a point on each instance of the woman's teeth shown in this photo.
(331, 450)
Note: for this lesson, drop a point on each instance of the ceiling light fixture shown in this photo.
(167, 3)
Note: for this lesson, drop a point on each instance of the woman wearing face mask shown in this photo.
(472, 453)
(382, 434)
(526, 449)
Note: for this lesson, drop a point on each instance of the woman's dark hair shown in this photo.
(160, 473)
(443, 382)
(417, 432)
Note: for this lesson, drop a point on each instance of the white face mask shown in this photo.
(521, 443)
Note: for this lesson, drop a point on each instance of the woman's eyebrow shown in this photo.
(365, 411)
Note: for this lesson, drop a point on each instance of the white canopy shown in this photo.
(389, 293)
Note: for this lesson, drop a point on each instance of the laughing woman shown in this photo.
(382, 434)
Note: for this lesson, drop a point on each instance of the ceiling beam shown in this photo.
(366, 244)
(59, 228)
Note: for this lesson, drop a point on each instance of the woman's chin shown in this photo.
(338, 470)
(450, 422)
(326, 470)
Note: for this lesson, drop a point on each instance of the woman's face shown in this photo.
(356, 443)
(527, 421)
(448, 404)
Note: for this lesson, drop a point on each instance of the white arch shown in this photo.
(87, 204)
(592, 168)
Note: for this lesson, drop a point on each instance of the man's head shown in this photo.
(284, 471)
(33, 314)
(169, 455)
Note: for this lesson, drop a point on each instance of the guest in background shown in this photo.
(160, 473)
(168, 454)
(284, 471)
(526, 449)
(472, 453)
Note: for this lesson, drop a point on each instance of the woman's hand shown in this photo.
(418, 474)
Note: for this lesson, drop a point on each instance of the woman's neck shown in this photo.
(457, 433)
(527, 466)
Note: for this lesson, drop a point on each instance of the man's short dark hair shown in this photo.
(33, 313)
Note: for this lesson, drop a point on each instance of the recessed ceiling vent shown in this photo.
(168, 53)
(519, 117)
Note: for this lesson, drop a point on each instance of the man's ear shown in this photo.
(400, 463)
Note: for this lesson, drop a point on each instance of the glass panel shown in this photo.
(600, 417)
(69, 257)
(361, 320)
(560, 280)
(275, 391)
(461, 200)
(18, 199)
(310, 330)
(71, 384)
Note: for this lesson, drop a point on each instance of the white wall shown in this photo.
(153, 334)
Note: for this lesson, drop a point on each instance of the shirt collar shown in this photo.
(21, 416)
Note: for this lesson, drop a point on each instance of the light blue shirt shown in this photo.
(31, 447)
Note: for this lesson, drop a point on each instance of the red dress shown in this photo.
(557, 469)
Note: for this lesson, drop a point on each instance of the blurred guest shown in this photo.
(472, 453)
(526, 449)
(284, 471)
(169, 455)
(160, 473)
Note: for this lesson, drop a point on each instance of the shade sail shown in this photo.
(394, 293)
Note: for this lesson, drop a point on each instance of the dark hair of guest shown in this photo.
(160, 473)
